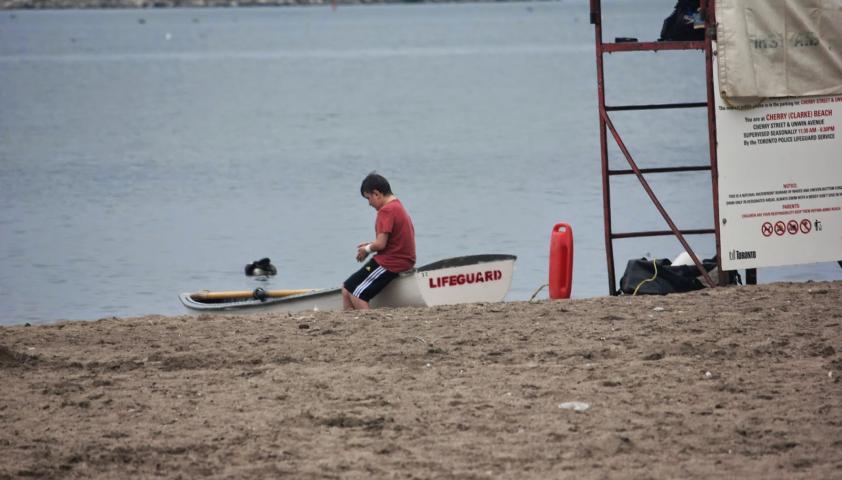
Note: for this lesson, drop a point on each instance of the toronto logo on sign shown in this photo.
(742, 254)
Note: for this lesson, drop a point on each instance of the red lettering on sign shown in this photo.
(797, 115)
(464, 278)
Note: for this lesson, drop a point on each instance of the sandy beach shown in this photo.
(738, 382)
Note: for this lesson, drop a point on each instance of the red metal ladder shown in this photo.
(606, 126)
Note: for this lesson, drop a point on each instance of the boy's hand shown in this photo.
(361, 251)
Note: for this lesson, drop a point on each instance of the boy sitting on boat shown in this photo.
(393, 246)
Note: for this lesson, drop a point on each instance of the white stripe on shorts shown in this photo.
(374, 275)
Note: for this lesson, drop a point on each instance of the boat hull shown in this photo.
(468, 279)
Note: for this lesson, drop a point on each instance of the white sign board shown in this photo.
(780, 182)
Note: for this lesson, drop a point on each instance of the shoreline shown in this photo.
(726, 382)
(151, 4)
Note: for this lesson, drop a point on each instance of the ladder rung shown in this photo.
(652, 46)
(660, 233)
(655, 106)
(699, 168)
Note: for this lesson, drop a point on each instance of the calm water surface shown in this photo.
(148, 152)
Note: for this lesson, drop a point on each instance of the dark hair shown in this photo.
(375, 181)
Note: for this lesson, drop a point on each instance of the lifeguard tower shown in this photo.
(769, 217)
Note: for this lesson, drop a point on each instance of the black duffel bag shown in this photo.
(659, 277)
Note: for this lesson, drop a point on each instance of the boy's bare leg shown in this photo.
(350, 302)
(346, 300)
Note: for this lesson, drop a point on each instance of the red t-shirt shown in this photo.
(399, 254)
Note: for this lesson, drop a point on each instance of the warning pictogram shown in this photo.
(766, 229)
(780, 228)
(806, 226)
(792, 227)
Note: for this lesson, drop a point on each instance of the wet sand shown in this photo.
(738, 382)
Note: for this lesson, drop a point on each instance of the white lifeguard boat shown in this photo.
(469, 279)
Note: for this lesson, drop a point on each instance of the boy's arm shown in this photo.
(378, 244)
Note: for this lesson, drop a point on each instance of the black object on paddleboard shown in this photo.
(262, 267)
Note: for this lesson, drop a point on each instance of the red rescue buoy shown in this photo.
(561, 261)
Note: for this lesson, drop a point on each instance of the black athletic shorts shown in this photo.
(367, 282)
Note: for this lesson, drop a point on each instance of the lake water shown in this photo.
(148, 152)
